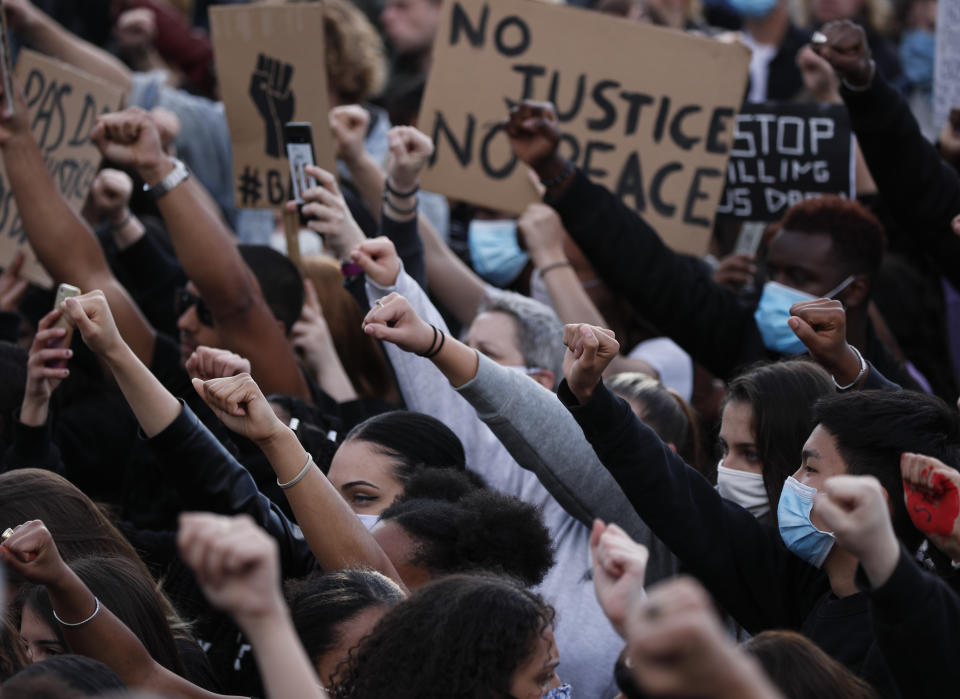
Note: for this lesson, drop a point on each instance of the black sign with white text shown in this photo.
(784, 153)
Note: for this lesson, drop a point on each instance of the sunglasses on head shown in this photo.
(185, 300)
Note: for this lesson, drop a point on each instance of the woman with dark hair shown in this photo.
(483, 531)
(379, 456)
(471, 637)
(801, 670)
(332, 612)
(767, 416)
(130, 595)
(80, 527)
(664, 410)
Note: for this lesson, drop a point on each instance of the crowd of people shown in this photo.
(446, 451)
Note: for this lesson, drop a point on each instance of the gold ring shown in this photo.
(7, 533)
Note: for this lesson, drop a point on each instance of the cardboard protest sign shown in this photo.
(272, 69)
(647, 112)
(63, 104)
(946, 76)
(783, 153)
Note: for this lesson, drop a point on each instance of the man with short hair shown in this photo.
(826, 247)
(800, 577)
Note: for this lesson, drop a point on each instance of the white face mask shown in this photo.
(744, 488)
(369, 520)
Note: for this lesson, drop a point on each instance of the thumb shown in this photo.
(76, 314)
(598, 529)
(366, 262)
(199, 388)
(802, 329)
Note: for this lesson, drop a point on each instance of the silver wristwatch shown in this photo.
(175, 177)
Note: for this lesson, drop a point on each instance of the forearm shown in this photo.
(402, 232)
(448, 278)
(107, 639)
(456, 361)
(330, 375)
(335, 534)
(63, 243)
(368, 178)
(45, 35)
(153, 405)
(34, 411)
(211, 260)
(284, 667)
(205, 247)
(570, 301)
(50, 225)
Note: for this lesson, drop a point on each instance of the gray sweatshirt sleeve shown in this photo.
(543, 437)
(426, 390)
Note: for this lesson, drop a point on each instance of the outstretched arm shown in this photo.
(88, 626)
(45, 35)
(236, 565)
(63, 243)
(337, 537)
(208, 253)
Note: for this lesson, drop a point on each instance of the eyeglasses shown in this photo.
(184, 301)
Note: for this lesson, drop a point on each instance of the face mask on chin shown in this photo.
(745, 489)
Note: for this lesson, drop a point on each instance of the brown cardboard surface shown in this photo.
(272, 69)
(63, 105)
(646, 111)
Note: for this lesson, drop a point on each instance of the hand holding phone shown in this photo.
(298, 137)
(64, 292)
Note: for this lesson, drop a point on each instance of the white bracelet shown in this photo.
(299, 476)
(863, 370)
(79, 623)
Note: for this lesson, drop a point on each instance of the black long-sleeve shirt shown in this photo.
(742, 562)
(921, 190)
(681, 299)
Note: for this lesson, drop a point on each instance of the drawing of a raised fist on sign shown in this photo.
(271, 93)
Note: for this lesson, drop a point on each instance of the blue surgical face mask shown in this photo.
(773, 312)
(495, 252)
(917, 50)
(753, 9)
(797, 531)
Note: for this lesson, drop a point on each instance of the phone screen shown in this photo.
(300, 155)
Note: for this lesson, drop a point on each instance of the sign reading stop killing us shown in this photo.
(644, 111)
(784, 153)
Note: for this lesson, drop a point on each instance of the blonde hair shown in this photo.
(356, 60)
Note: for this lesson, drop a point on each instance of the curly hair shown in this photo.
(356, 60)
(462, 636)
(857, 235)
(483, 531)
